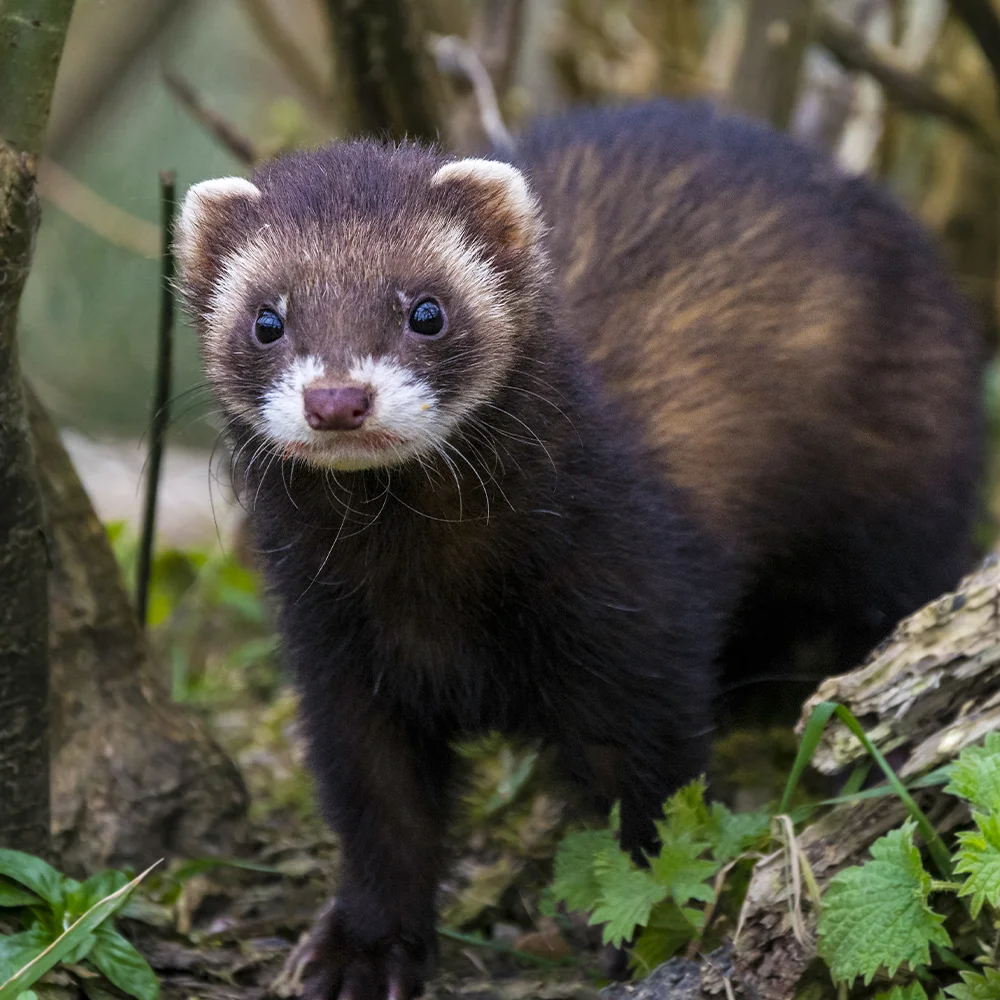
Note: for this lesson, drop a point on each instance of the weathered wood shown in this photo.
(930, 690)
(927, 692)
(32, 33)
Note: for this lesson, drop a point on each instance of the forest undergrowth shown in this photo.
(538, 886)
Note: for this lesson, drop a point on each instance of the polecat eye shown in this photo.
(268, 327)
(427, 318)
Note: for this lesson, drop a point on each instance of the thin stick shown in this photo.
(98, 214)
(270, 28)
(457, 56)
(225, 133)
(912, 92)
(161, 396)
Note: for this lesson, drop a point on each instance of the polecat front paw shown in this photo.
(347, 964)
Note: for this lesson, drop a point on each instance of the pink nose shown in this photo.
(336, 409)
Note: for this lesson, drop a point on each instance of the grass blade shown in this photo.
(807, 746)
(815, 725)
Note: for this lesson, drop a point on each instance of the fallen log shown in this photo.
(927, 692)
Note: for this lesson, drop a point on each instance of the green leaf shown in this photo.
(686, 809)
(976, 987)
(912, 992)
(979, 858)
(33, 873)
(976, 775)
(888, 893)
(679, 868)
(123, 965)
(12, 895)
(70, 940)
(16, 950)
(733, 833)
(811, 734)
(575, 882)
(197, 866)
(667, 931)
(627, 895)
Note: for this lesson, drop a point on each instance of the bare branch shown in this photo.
(456, 56)
(496, 35)
(97, 214)
(271, 30)
(980, 17)
(909, 90)
(224, 132)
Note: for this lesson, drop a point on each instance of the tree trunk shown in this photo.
(386, 82)
(135, 777)
(31, 41)
(776, 34)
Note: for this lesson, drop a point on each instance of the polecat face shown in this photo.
(355, 304)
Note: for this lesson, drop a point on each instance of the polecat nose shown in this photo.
(336, 409)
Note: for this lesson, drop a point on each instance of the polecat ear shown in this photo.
(209, 208)
(499, 196)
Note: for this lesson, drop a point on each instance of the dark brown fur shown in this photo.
(744, 413)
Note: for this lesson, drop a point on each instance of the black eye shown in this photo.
(269, 326)
(427, 318)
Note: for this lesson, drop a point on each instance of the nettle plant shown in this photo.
(887, 922)
(63, 920)
(889, 913)
(691, 891)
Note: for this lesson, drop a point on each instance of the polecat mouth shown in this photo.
(349, 449)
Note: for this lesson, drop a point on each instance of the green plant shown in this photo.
(875, 920)
(207, 616)
(64, 920)
(892, 892)
(691, 889)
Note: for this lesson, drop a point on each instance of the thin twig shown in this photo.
(224, 132)
(161, 396)
(97, 214)
(271, 30)
(909, 90)
(456, 56)
(496, 35)
(980, 17)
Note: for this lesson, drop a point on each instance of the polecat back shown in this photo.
(541, 447)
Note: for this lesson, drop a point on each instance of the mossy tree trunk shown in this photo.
(133, 777)
(32, 33)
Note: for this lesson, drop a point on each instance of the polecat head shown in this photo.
(356, 303)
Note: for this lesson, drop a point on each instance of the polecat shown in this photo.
(547, 446)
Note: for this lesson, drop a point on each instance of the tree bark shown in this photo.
(32, 33)
(386, 83)
(135, 776)
(776, 34)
